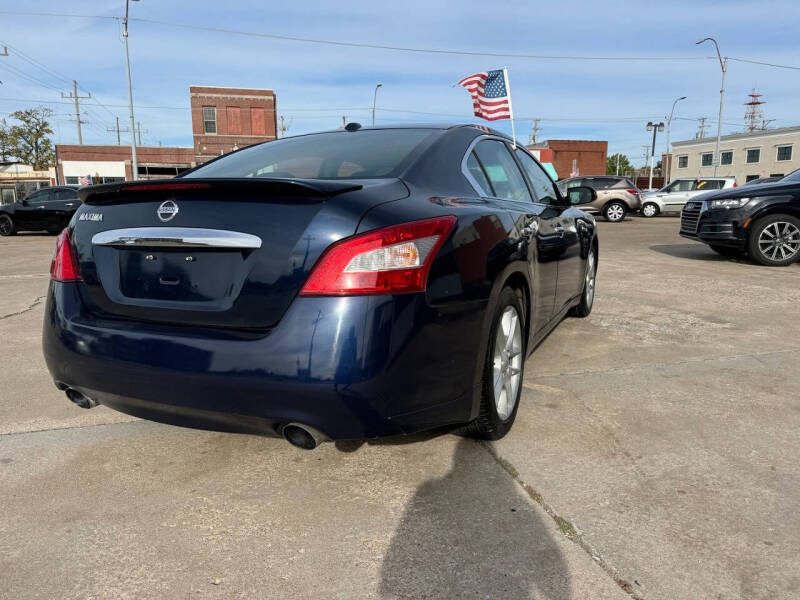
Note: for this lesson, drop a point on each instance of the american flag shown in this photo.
(85, 180)
(489, 93)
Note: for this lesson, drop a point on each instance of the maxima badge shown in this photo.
(167, 210)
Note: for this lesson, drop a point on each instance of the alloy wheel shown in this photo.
(779, 241)
(591, 274)
(615, 212)
(6, 226)
(649, 210)
(507, 372)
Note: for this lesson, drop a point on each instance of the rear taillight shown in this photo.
(65, 264)
(735, 184)
(634, 192)
(392, 260)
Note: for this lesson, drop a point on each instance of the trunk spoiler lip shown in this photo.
(315, 188)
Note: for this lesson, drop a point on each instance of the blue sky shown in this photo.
(607, 100)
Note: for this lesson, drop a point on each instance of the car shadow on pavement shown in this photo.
(471, 534)
(690, 251)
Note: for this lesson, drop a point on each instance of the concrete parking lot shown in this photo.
(656, 454)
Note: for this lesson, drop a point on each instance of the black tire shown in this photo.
(652, 208)
(489, 425)
(759, 245)
(584, 307)
(7, 226)
(728, 252)
(615, 211)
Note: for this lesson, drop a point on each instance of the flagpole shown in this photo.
(510, 108)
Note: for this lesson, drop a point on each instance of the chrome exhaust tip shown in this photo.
(80, 398)
(303, 436)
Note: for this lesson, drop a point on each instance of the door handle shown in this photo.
(530, 229)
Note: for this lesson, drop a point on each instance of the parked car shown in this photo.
(671, 198)
(616, 196)
(760, 180)
(762, 221)
(48, 209)
(350, 284)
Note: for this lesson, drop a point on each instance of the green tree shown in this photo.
(6, 143)
(29, 140)
(611, 164)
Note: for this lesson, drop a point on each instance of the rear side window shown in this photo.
(543, 186)
(600, 183)
(502, 171)
(368, 154)
(709, 184)
(477, 173)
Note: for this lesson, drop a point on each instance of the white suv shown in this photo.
(672, 197)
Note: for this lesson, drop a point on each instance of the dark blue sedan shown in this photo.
(344, 285)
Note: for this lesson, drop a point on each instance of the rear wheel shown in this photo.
(503, 370)
(615, 211)
(7, 226)
(728, 252)
(650, 209)
(775, 240)
(587, 297)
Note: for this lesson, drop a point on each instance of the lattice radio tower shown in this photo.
(754, 114)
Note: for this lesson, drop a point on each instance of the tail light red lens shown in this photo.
(392, 260)
(634, 192)
(64, 266)
(735, 184)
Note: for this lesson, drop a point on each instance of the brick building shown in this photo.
(223, 119)
(577, 157)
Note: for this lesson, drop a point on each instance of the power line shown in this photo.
(765, 64)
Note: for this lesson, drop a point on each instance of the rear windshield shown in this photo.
(369, 154)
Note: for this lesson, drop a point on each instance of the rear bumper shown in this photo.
(355, 367)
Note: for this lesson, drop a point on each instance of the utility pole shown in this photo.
(701, 128)
(669, 150)
(4, 52)
(139, 131)
(285, 127)
(134, 161)
(655, 128)
(617, 171)
(74, 96)
(117, 130)
(344, 120)
(723, 65)
(535, 133)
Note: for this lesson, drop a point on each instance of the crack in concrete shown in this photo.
(68, 427)
(567, 528)
(755, 355)
(33, 305)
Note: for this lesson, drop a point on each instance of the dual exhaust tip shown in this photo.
(297, 434)
(80, 398)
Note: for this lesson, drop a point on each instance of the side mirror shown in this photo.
(581, 195)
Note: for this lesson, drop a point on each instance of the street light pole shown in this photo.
(134, 161)
(374, 102)
(723, 65)
(655, 128)
(669, 125)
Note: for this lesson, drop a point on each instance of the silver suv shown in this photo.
(616, 196)
(672, 197)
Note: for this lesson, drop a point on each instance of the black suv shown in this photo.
(48, 209)
(762, 221)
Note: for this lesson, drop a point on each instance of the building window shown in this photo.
(751, 177)
(683, 162)
(784, 153)
(258, 125)
(234, 115)
(726, 157)
(706, 159)
(71, 180)
(209, 119)
(753, 155)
